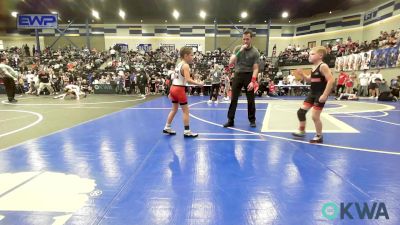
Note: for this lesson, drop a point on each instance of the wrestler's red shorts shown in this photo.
(177, 94)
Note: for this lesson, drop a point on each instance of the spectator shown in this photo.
(20, 85)
(216, 74)
(132, 88)
(383, 91)
(272, 89)
(349, 83)
(394, 85)
(113, 53)
(372, 84)
(291, 78)
(363, 83)
(340, 86)
(44, 82)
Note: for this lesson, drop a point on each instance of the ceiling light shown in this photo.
(95, 14)
(14, 14)
(203, 14)
(122, 14)
(243, 15)
(285, 14)
(175, 14)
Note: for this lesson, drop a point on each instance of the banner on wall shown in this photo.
(144, 47)
(357, 61)
(373, 14)
(375, 58)
(123, 47)
(383, 57)
(345, 62)
(380, 58)
(339, 64)
(168, 47)
(351, 62)
(365, 60)
(398, 58)
(393, 57)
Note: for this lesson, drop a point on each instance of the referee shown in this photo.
(9, 77)
(246, 60)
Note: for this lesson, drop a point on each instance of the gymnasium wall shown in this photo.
(154, 41)
(372, 31)
(19, 40)
(360, 25)
(96, 42)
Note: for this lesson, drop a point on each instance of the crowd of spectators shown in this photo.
(298, 55)
(130, 72)
(294, 55)
(52, 70)
(385, 40)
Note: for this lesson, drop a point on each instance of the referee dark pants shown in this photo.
(239, 81)
(9, 84)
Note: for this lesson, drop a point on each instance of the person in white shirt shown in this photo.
(279, 73)
(363, 79)
(112, 53)
(372, 84)
(29, 77)
(56, 67)
(9, 77)
(291, 78)
(71, 90)
(335, 48)
(171, 72)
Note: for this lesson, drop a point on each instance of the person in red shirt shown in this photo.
(272, 89)
(341, 82)
(349, 85)
(70, 66)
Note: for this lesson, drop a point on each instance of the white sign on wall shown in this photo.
(168, 47)
(1, 45)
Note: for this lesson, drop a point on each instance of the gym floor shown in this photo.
(104, 160)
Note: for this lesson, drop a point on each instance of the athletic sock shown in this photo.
(167, 126)
(187, 129)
